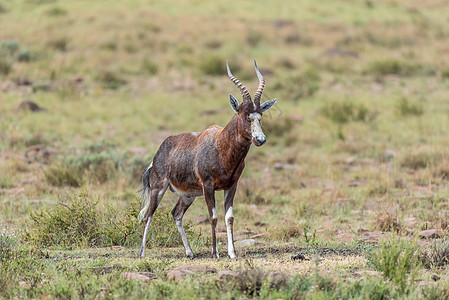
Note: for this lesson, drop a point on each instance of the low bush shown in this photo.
(81, 223)
(111, 79)
(408, 108)
(396, 67)
(5, 65)
(343, 112)
(437, 255)
(397, 259)
(213, 65)
(63, 174)
(421, 159)
(299, 85)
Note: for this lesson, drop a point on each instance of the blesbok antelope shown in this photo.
(193, 164)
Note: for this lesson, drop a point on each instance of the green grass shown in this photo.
(353, 84)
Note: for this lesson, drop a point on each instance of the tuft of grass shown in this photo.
(421, 159)
(343, 112)
(298, 85)
(56, 11)
(393, 67)
(111, 79)
(408, 108)
(437, 255)
(5, 65)
(64, 174)
(149, 67)
(212, 64)
(59, 43)
(397, 259)
(387, 222)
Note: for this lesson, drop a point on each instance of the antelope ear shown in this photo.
(234, 104)
(268, 104)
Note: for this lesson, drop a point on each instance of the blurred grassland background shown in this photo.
(358, 136)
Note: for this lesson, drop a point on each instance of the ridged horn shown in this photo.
(245, 94)
(259, 91)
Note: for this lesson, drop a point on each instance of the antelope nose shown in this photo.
(261, 140)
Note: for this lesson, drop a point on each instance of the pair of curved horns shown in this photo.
(243, 90)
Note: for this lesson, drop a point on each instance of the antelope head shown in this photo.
(249, 112)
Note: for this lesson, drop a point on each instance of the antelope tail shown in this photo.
(145, 192)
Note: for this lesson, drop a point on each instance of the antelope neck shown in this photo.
(233, 146)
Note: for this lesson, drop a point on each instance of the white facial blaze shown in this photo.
(256, 130)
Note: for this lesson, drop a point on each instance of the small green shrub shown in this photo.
(213, 65)
(277, 127)
(111, 79)
(421, 159)
(299, 85)
(396, 259)
(10, 47)
(253, 38)
(437, 255)
(251, 281)
(298, 287)
(343, 112)
(5, 65)
(394, 67)
(41, 85)
(59, 43)
(76, 224)
(149, 67)
(81, 223)
(64, 174)
(407, 108)
(24, 55)
(56, 11)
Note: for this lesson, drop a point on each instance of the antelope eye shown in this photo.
(249, 118)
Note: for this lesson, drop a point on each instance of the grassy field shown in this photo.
(335, 205)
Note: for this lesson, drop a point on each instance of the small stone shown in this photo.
(226, 275)
(411, 222)
(362, 229)
(201, 219)
(180, 272)
(247, 242)
(354, 183)
(140, 276)
(430, 234)
(351, 161)
(344, 236)
(372, 237)
(260, 235)
(389, 154)
(24, 284)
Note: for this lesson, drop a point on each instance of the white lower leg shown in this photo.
(144, 239)
(189, 252)
(214, 220)
(229, 219)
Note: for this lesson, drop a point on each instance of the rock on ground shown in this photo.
(430, 234)
(180, 272)
(140, 276)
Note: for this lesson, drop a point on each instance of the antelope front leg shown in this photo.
(209, 195)
(229, 219)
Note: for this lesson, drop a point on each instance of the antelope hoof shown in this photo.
(190, 255)
(232, 255)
